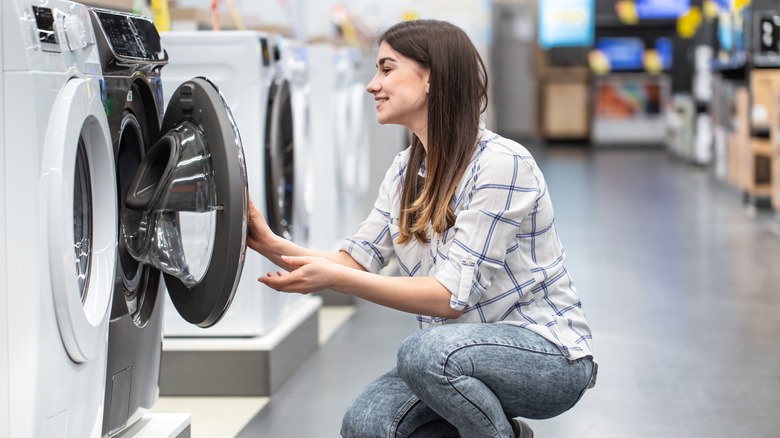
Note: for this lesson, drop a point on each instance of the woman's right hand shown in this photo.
(259, 234)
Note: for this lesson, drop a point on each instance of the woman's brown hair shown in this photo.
(456, 98)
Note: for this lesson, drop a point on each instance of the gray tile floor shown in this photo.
(680, 282)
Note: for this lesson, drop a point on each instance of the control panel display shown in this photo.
(130, 36)
(47, 36)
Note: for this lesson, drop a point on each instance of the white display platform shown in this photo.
(251, 366)
(156, 425)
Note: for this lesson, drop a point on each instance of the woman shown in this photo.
(469, 218)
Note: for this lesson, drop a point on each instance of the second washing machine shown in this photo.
(246, 66)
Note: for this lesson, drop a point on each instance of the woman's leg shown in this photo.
(476, 376)
(386, 408)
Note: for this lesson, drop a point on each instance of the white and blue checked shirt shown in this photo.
(502, 258)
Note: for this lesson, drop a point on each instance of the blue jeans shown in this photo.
(467, 380)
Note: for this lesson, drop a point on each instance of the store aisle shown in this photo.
(679, 281)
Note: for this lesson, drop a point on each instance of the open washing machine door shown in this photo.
(186, 209)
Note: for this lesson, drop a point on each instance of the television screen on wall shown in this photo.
(623, 53)
(661, 9)
(565, 23)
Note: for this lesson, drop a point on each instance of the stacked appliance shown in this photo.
(58, 228)
(244, 65)
(178, 171)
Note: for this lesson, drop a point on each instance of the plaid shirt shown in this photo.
(502, 258)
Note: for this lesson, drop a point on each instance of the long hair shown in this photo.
(456, 98)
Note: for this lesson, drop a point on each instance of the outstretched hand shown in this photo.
(312, 274)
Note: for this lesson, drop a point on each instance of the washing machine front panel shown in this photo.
(240, 64)
(57, 179)
(279, 159)
(4, 390)
(78, 177)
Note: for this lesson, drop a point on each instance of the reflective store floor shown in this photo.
(679, 278)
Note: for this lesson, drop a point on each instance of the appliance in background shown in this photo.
(628, 109)
(352, 158)
(292, 66)
(325, 224)
(176, 171)
(513, 59)
(242, 64)
(59, 223)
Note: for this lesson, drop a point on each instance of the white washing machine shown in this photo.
(59, 223)
(244, 65)
(178, 171)
(352, 158)
(293, 66)
(341, 150)
(326, 227)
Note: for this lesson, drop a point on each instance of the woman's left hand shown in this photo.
(313, 274)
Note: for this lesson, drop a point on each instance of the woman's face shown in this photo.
(400, 88)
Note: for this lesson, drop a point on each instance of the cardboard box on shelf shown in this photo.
(774, 120)
(736, 145)
(565, 110)
(742, 111)
(756, 170)
(763, 82)
(775, 196)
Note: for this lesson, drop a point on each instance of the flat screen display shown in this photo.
(623, 53)
(660, 9)
(566, 23)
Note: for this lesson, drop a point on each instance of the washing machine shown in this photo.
(246, 67)
(293, 67)
(58, 226)
(179, 171)
(352, 149)
(341, 151)
(326, 227)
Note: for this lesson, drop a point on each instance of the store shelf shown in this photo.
(628, 109)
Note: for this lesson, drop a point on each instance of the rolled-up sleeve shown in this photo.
(372, 243)
(503, 192)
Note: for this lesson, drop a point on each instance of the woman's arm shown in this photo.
(261, 239)
(419, 295)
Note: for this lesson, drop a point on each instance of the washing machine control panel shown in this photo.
(47, 34)
(130, 36)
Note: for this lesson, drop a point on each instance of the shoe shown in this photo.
(521, 428)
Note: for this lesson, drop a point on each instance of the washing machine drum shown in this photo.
(186, 208)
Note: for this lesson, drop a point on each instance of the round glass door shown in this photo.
(82, 219)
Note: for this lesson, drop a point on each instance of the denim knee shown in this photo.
(421, 354)
(354, 418)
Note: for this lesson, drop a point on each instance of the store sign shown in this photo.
(566, 23)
